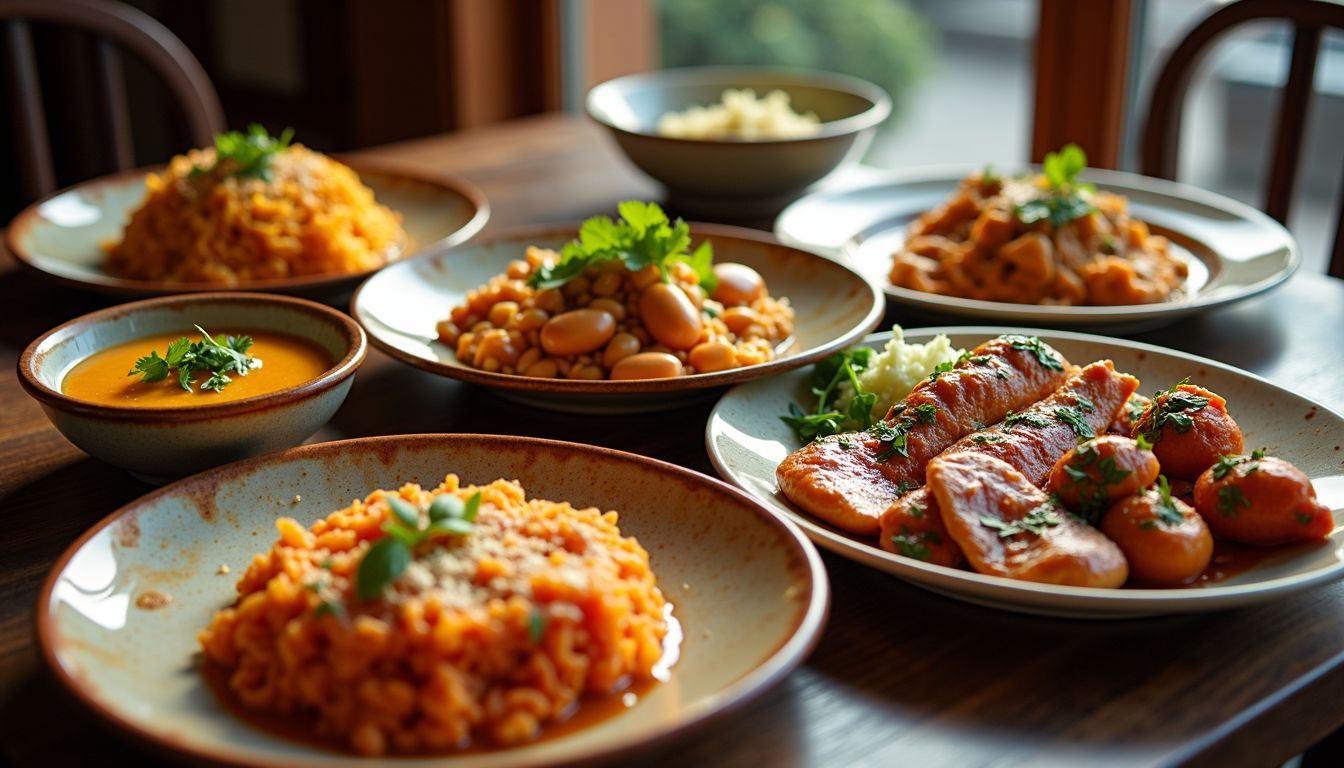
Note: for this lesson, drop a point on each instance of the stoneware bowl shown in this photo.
(157, 444)
(735, 177)
(747, 588)
(62, 236)
(401, 305)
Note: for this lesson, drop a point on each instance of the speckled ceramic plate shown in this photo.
(748, 588)
(746, 441)
(62, 236)
(400, 306)
(1233, 251)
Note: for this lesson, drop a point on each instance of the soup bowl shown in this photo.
(156, 443)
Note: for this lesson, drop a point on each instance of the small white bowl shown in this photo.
(157, 444)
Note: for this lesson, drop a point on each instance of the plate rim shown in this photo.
(872, 318)
(806, 634)
(1117, 603)
(120, 286)
(1122, 181)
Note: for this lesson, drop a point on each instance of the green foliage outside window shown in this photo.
(882, 41)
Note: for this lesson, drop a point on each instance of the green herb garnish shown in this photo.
(1170, 406)
(1044, 355)
(915, 545)
(1026, 418)
(1036, 521)
(218, 355)
(988, 438)
(536, 626)
(1066, 199)
(1230, 501)
(247, 155)
(388, 557)
(1073, 417)
(1167, 511)
(643, 237)
(826, 377)
(1093, 492)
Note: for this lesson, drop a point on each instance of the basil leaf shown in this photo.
(382, 564)
(445, 505)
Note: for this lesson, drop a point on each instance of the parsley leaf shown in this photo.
(643, 237)
(1166, 508)
(247, 155)
(1044, 355)
(1065, 200)
(1036, 521)
(218, 356)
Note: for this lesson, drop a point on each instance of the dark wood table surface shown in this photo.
(901, 676)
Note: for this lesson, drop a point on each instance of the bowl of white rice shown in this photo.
(737, 141)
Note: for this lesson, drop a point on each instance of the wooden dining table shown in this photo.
(900, 677)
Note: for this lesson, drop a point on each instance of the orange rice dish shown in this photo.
(311, 216)
(482, 638)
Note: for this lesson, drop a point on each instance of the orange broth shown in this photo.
(101, 377)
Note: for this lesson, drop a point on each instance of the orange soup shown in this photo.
(101, 377)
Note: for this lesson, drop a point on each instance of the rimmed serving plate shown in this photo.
(748, 589)
(746, 441)
(400, 306)
(62, 236)
(1233, 250)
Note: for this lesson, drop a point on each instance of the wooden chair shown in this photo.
(1161, 134)
(114, 26)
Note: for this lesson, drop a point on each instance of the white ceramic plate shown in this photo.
(1233, 250)
(747, 440)
(400, 307)
(748, 589)
(62, 236)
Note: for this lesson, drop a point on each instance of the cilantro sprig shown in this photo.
(388, 557)
(1066, 199)
(826, 377)
(1043, 516)
(1170, 406)
(217, 355)
(642, 237)
(248, 154)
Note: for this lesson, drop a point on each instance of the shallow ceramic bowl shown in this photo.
(162, 443)
(401, 305)
(61, 237)
(1232, 250)
(746, 441)
(748, 588)
(735, 177)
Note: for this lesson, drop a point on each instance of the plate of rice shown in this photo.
(253, 212)
(440, 599)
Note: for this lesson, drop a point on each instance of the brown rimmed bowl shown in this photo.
(748, 589)
(61, 237)
(401, 305)
(157, 444)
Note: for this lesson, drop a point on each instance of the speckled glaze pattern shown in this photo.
(400, 307)
(61, 237)
(158, 444)
(746, 441)
(733, 177)
(1233, 250)
(747, 586)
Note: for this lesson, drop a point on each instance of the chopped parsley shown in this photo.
(1045, 515)
(915, 545)
(915, 511)
(247, 155)
(826, 377)
(1230, 501)
(1302, 518)
(1044, 355)
(1170, 406)
(1073, 417)
(941, 368)
(1166, 509)
(984, 438)
(1226, 464)
(1026, 418)
(1093, 491)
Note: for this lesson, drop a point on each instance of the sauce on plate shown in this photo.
(101, 377)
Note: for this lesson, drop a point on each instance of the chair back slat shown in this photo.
(30, 122)
(117, 29)
(115, 105)
(1292, 126)
(1309, 20)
